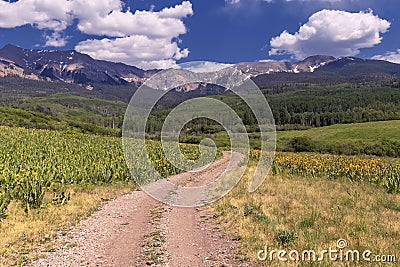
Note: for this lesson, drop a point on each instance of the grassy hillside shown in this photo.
(103, 106)
(309, 105)
(15, 88)
(31, 119)
(372, 138)
(105, 113)
(377, 138)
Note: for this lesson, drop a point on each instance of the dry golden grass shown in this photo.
(21, 234)
(320, 211)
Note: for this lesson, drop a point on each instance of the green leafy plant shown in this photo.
(247, 210)
(30, 191)
(392, 182)
(4, 201)
(61, 196)
(285, 238)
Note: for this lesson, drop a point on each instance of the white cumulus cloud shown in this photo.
(393, 57)
(178, 11)
(150, 36)
(56, 39)
(43, 14)
(331, 32)
(137, 50)
(116, 23)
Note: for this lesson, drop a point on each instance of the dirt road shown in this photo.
(136, 230)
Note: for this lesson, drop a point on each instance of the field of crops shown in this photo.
(40, 164)
(37, 166)
(381, 171)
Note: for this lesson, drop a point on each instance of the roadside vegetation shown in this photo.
(51, 179)
(305, 212)
(24, 234)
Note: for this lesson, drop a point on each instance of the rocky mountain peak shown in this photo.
(72, 66)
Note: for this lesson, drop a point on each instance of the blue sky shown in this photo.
(161, 33)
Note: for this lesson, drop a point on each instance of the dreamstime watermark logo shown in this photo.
(138, 114)
(339, 254)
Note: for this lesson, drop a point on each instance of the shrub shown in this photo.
(285, 238)
(302, 144)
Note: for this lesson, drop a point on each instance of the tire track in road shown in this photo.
(136, 230)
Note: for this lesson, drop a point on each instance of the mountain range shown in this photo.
(73, 67)
(309, 64)
(68, 66)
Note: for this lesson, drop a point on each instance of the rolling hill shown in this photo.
(318, 91)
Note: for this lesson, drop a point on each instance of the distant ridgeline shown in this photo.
(74, 89)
